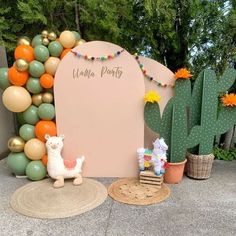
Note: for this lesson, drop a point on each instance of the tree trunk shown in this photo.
(77, 18)
(228, 139)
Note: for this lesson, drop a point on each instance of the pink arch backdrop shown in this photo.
(99, 108)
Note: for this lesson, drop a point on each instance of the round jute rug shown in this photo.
(41, 200)
(129, 191)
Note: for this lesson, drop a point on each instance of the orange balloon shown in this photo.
(18, 78)
(45, 127)
(25, 52)
(64, 52)
(46, 81)
(45, 160)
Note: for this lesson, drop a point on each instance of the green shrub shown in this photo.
(226, 155)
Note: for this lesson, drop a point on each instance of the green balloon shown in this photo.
(17, 162)
(41, 53)
(37, 40)
(36, 68)
(27, 132)
(46, 111)
(20, 118)
(35, 170)
(33, 85)
(4, 82)
(77, 35)
(31, 115)
(55, 48)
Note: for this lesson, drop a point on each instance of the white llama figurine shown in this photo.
(159, 155)
(160, 148)
(56, 167)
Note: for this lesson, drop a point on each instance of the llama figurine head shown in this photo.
(160, 145)
(54, 143)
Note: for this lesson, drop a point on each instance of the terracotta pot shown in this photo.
(174, 173)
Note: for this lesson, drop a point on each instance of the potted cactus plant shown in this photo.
(191, 119)
(209, 116)
(172, 125)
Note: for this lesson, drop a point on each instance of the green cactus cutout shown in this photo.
(205, 119)
(204, 108)
(172, 126)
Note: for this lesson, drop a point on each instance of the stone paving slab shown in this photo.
(203, 207)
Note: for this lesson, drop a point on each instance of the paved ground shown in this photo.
(205, 207)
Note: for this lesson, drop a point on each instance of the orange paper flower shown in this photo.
(183, 73)
(229, 100)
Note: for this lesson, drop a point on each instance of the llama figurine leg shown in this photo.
(78, 179)
(157, 166)
(140, 152)
(59, 182)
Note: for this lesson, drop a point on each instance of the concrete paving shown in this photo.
(205, 207)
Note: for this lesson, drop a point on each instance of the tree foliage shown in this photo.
(192, 33)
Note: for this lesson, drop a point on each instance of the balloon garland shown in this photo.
(28, 92)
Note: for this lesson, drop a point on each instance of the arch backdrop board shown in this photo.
(161, 74)
(99, 109)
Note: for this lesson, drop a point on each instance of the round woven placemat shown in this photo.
(129, 191)
(41, 200)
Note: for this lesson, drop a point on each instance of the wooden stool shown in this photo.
(150, 179)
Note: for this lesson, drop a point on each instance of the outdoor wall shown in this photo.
(6, 117)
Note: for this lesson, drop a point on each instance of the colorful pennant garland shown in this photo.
(100, 58)
(116, 54)
(150, 77)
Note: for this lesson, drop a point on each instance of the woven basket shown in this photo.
(199, 166)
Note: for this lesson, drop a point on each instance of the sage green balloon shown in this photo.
(37, 40)
(4, 82)
(35, 170)
(31, 115)
(46, 111)
(33, 85)
(36, 68)
(41, 53)
(17, 162)
(77, 35)
(20, 118)
(27, 132)
(55, 48)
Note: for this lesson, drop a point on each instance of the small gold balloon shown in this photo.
(79, 42)
(45, 41)
(37, 99)
(47, 98)
(16, 144)
(23, 41)
(21, 65)
(44, 34)
(52, 36)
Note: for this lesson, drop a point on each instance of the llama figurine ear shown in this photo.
(47, 136)
(62, 136)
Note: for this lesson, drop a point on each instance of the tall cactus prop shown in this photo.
(172, 126)
(205, 119)
(206, 115)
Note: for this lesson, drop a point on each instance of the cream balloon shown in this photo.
(16, 99)
(51, 65)
(67, 39)
(35, 149)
